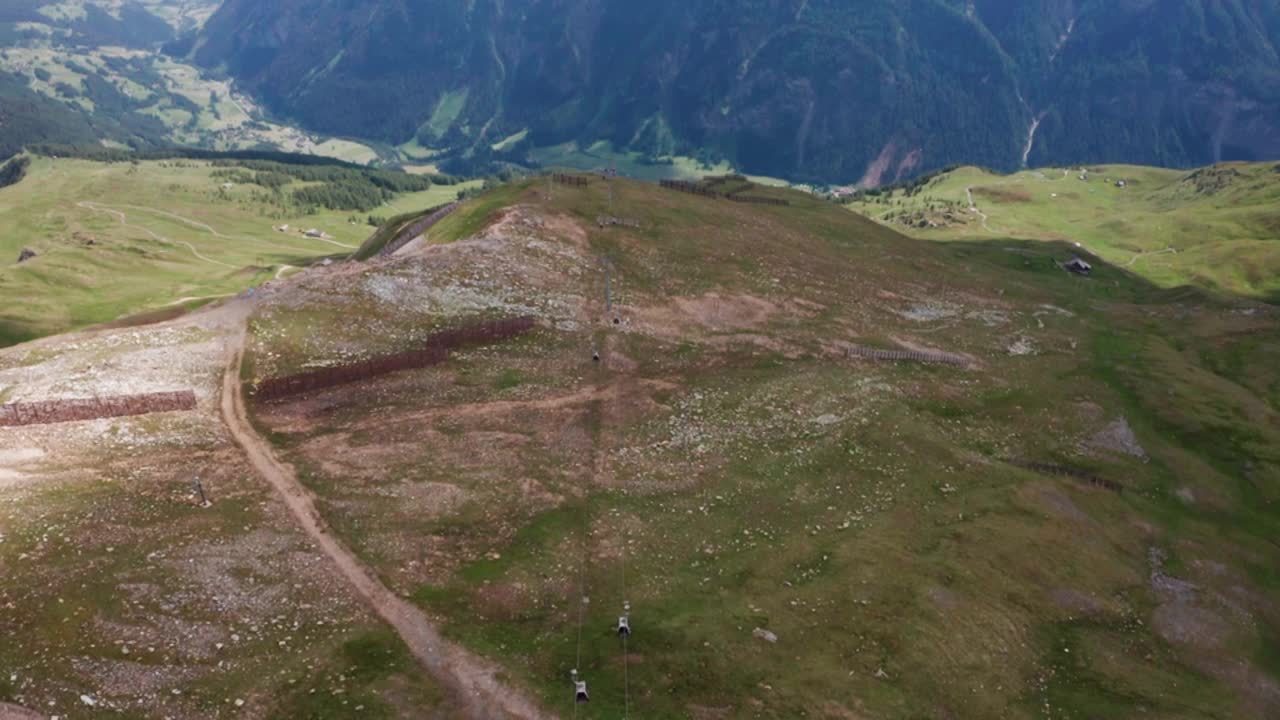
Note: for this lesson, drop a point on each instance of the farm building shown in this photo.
(1077, 266)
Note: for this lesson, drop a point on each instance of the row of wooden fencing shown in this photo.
(435, 352)
(574, 180)
(722, 179)
(48, 412)
(934, 358)
(404, 237)
(756, 200)
(694, 188)
(607, 220)
(1073, 473)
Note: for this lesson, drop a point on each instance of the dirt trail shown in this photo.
(213, 231)
(1153, 253)
(974, 207)
(473, 681)
(124, 220)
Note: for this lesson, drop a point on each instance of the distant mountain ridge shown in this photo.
(806, 89)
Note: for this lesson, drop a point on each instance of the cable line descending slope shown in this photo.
(472, 681)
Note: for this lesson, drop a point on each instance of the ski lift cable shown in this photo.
(626, 653)
(582, 598)
(582, 603)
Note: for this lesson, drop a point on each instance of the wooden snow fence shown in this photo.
(574, 180)
(1072, 473)
(693, 188)
(436, 352)
(48, 412)
(933, 358)
(404, 237)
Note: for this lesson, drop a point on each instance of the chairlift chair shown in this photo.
(624, 626)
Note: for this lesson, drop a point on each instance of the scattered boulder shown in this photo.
(26, 254)
(765, 635)
(1118, 437)
(1020, 347)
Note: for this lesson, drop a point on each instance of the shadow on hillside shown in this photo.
(1041, 262)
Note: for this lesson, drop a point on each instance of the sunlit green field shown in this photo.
(1218, 227)
(116, 239)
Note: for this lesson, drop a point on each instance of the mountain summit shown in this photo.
(822, 90)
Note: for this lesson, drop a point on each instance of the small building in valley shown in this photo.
(1077, 266)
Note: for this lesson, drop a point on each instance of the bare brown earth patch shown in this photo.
(526, 221)
(943, 599)
(684, 316)
(1001, 195)
(1057, 504)
(1077, 602)
(836, 711)
(704, 712)
(14, 712)
(1186, 624)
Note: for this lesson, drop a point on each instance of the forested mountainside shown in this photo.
(43, 46)
(81, 72)
(827, 90)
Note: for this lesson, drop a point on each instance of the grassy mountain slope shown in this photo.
(1216, 227)
(727, 467)
(183, 237)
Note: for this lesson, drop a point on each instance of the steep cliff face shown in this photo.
(809, 89)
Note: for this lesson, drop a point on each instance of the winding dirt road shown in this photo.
(1153, 253)
(973, 206)
(472, 681)
(124, 221)
(101, 207)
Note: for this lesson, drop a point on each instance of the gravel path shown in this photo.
(471, 680)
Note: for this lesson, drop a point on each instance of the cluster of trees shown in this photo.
(98, 153)
(330, 183)
(335, 187)
(12, 172)
(28, 117)
(909, 188)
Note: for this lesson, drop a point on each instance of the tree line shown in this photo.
(12, 172)
(330, 184)
(334, 187)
